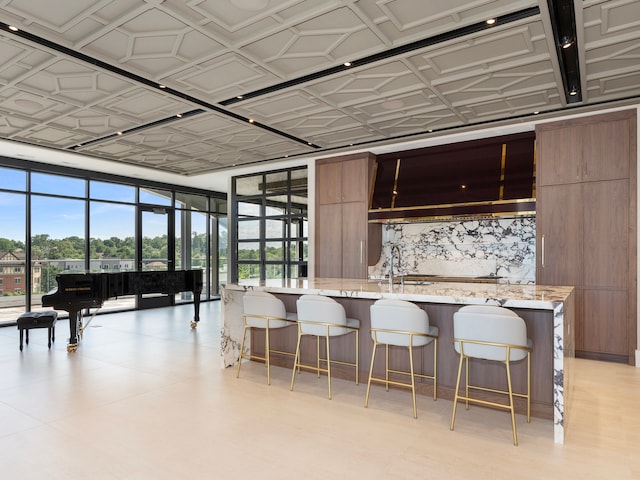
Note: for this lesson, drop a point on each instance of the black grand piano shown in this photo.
(77, 291)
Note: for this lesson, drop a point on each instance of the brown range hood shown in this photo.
(488, 177)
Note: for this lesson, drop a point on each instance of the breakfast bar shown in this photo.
(548, 312)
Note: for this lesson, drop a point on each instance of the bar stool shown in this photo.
(263, 310)
(404, 324)
(322, 316)
(495, 334)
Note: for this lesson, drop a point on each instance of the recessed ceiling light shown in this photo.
(536, 112)
(566, 42)
(251, 120)
(179, 115)
(250, 5)
(491, 21)
(13, 28)
(119, 133)
(162, 86)
(347, 64)
(239, 97)
(573, 91)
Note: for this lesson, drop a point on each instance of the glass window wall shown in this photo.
(270, 232)
(58, 243)
(112, 244)
(85, 221)
(12, 251)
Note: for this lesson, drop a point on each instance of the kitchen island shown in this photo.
(548, 312)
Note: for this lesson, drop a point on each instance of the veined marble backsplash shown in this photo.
(505, 247)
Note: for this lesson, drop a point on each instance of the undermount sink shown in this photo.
(429, 278)
(421, 279)
(414, 282)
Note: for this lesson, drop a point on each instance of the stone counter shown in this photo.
(558, 302)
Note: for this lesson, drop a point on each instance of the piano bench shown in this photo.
(46, 319)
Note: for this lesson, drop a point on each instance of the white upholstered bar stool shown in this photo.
(323, 317)
(403, 324)
(495, 334)
(263, 310)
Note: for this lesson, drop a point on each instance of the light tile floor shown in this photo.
(145, 397)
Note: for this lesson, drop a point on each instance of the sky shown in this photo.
(65, 217)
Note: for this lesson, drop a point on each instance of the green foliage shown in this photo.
(7, 245)
(44, 247)
(49, 273)
(113, 247)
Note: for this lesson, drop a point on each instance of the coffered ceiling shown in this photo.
(198, 86)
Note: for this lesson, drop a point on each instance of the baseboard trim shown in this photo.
(604, 357)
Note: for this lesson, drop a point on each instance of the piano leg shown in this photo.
(196, 307)
(75, 324)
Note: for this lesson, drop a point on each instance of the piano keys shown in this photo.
(78, 291)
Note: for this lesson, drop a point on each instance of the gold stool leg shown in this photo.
(435, 369)
(386, 366)
(357, 356)
(328, 367)
(296, 360)
(528, 387)
(456, 393)
(267, 353)
(318, 356)
(373, 359)
(244, 334)
(413, 382)
(466, 388)
(512, 410)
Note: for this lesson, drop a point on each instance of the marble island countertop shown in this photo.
(513, 295)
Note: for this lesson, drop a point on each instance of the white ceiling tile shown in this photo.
(101, 61)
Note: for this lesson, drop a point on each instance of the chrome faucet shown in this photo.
(394, 249)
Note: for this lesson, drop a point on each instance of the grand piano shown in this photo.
(78, 291)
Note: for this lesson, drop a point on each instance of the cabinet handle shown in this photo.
(542, 252)
(361, 251)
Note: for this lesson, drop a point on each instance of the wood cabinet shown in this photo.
(345, 242)
(586, 228)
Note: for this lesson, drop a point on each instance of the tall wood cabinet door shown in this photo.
(606, 234)
(355, 180)
(329, 183)
(559, 235)
(560, 153)
(606, 151)
(354, 240)
(329, 241)
(603, 323)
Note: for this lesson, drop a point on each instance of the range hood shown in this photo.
(488, 177)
